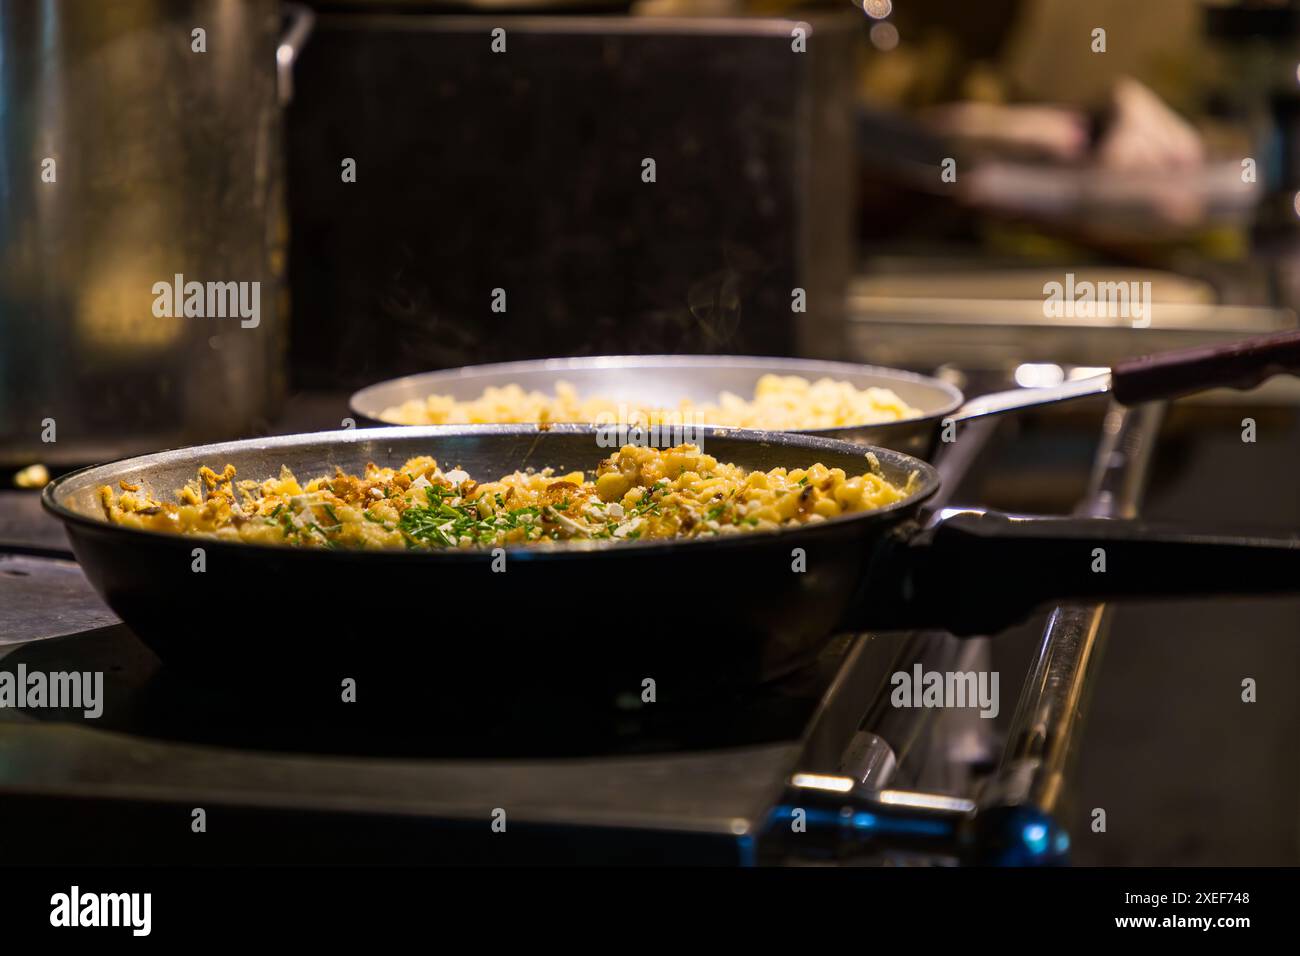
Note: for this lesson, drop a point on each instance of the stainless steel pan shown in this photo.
(663, 380)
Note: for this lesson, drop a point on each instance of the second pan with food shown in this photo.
(725, 609)
(662, 381)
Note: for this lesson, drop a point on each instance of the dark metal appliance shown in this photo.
(522, 172)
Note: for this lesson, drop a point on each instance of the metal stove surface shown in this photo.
(167, 743)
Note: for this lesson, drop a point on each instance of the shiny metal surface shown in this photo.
(43, 597)
(869, 760)
(901, 729)
(301, 21)
(713, 794)
(167, 161)
(921, 313)
(1019, 399)
(879, 737)
(1049, 715)
(1016, 817)
(25, 528)
(666, 379)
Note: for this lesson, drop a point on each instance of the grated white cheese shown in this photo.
(623, 530)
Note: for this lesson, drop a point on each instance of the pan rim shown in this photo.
(50, 496)
(956, 398)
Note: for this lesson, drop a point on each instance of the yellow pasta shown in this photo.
(779, 403)
(637, 493)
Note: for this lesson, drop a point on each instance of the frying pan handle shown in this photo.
(1164, 375)
(1020, 399)
(1241, 364)
(980, 573)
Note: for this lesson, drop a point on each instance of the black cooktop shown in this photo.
(296, 774)
(395, 714)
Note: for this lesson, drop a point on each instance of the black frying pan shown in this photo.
(663, 380)
(726, 609)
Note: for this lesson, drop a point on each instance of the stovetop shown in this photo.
(309, 775)
(710, 768)
(295, 773)
(391, 717)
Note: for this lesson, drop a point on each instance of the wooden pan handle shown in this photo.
(1242, 364)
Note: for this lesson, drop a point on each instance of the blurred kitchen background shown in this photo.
(919, 170)
(796, 146)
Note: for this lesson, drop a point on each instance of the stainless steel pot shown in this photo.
(136, 150)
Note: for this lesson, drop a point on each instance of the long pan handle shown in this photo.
(1021, 399)
(1164, 375)
(1241, 364)
(980, 573)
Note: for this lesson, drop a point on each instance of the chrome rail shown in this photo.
(1016, 817)
(1021, 806)
(888, 728)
